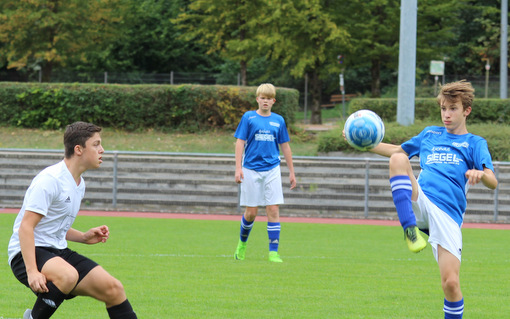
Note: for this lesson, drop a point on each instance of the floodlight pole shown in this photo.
(503, 62)
(407, 62)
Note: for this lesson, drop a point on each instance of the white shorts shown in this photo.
(443, 229)
(261, 188)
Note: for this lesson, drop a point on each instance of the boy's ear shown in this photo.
(78, 149)
(467, 111)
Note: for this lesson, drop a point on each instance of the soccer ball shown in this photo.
(364, 130)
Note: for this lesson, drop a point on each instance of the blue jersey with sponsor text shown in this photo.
(444, 160)
(262, 135)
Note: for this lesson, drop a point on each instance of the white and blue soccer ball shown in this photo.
(364, 130)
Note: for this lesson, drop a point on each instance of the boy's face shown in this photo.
(265, 103)
(92, 154)
(454, 116)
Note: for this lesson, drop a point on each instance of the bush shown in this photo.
(426, 109)
(185, 107)
(495, 134)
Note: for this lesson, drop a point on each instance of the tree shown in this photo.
(226, 27)
(477, 37)
(52, 33)
(374, 29)
(301, 35)
(436, 36)
(150, 42)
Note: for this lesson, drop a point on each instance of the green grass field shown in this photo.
(175, 268)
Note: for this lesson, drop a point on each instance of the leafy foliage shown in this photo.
(280, 41)
(189, 108)
(54, 33)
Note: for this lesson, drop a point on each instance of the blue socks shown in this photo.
(246, 227)
(453, 310)
(402, 190)
(273, 232)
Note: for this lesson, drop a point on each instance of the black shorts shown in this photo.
(81, 263)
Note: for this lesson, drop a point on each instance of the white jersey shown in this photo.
(54, 194)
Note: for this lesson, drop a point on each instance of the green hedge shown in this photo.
(185, 107)
(427, 109)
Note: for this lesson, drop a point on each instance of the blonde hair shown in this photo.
(267, 90)
(457, 91)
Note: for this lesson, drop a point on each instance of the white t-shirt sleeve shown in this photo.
(41, 194)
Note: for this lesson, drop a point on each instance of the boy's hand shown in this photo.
(293, 181)
(239, 176)
(474, 176)
(96, 235)
(37, 282)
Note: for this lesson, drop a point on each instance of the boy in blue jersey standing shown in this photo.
(258, 136)
(451, 160)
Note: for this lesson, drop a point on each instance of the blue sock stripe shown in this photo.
(273, 226)
(402, 191)
(400, 183)
(246, 224)
(454, 309)
(406, 187)
(273, 232)
(399, 177)
(246, 227)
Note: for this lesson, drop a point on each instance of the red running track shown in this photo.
(346, 221)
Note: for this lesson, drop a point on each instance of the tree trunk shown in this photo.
(46, 70)
(243, 68)
(375, 71)
(316, 95)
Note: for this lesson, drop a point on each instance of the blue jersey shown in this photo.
(444, 160)
(262, 135)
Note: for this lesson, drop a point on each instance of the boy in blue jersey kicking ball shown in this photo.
(258, 136)
(451, 160)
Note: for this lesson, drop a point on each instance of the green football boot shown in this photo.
(414, 239)
(274, 257)
(240, 250)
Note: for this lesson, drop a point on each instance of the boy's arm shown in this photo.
(36, 280)
(486, 176)
(287, 153)
(92, 236)
(385, 149)
(239, 160)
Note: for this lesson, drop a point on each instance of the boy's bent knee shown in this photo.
(399, 158)
(65, 279)
(114, 292)
(399, 164)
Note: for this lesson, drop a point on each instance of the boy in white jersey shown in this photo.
(38, 253)
(451, 160)
(258, 135)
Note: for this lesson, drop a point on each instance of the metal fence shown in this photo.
(356, 187)
(64, 76)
